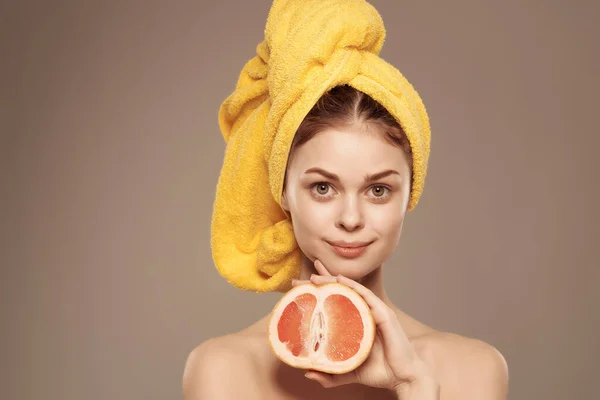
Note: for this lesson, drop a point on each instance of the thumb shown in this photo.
(331, 380)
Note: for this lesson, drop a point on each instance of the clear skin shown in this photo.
(350, 185)
(409, 359)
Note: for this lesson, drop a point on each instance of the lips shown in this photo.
(349, 249)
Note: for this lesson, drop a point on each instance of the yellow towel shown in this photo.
(309, 47)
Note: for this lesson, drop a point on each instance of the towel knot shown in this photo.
(277, 247)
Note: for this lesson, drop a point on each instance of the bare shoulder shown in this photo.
(466, 368)
(223, 368)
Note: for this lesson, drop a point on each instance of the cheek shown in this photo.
(388, 223)
(309, 219)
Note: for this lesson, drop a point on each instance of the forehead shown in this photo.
(349, 150)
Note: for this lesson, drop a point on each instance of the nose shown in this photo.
(350, 217)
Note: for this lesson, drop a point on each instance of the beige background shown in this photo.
(110, 154)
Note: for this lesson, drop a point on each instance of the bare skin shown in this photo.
(242, 364)
(350, 185)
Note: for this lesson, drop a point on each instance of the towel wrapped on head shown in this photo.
(310, 46)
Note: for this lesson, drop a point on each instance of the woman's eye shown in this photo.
(379, 191)
(322, 188)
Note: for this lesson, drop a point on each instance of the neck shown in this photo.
(373, 281)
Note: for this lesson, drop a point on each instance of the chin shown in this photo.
(353, 268)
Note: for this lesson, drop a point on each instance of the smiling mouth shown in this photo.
(349, 250)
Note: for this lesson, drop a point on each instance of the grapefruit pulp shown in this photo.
(326, 328)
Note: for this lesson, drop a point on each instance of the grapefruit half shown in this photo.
(326, 328)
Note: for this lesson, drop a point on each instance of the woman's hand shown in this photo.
(393, 363)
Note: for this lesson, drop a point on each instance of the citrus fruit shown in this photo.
(326, 328)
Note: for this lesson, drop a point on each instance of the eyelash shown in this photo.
(321, 197)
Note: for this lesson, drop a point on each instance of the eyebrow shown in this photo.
(368, 177)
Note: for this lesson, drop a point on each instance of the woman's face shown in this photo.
(347, 190)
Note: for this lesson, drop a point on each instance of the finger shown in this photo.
(394, 337)
(379, 309)
(331, 380)
(321, 280)
(297, 282)
(321, 268)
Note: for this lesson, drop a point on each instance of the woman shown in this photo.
(326, 202)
